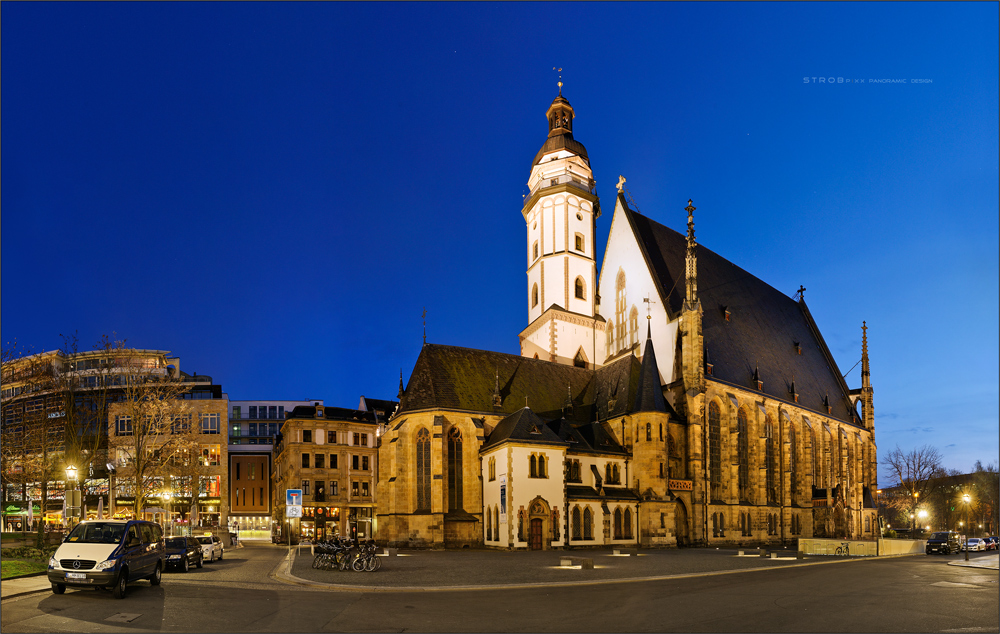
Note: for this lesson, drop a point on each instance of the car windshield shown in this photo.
(97, 533)
(177, 542)
(939, 536)
(205, 540)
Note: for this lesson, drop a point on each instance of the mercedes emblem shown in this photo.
(76, 564)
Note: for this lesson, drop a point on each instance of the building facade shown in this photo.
(724, 412)
(330, 454)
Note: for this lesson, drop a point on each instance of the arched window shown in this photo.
(611, 338)
(628, 523)
(618, 523)
(616, 476)
(534, 295)
(620, 309)
(496, 522)
(816, 482)
(793, 463)
(534, 251)
(423, 470)
(489, 524)
(580, 360)
(633, 327)
(722, 525)
(868, 526)
(743, 454)
(661, 432)
(532, 467)
(543, 469)
(576, 522)
(588, 524)
(579, 242)
(829, 461)
(714, 450)
(770, 468)
(649, 432)
(671, 456)
(455, 498)
(578, 289)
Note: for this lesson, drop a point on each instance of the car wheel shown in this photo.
(220, 555)
(201, 561)
(186, 565)
(154, 579)
(120, 587)
(947, 551)
(58, 588)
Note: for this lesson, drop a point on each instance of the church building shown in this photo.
(669, 398)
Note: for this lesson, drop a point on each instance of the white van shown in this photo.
(108, 553)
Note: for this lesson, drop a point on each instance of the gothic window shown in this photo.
(616, 477)
(722, 525)
(588, 524)
(496, 522)
(743, 450)
(661, 469)
(815, 459)
(770, 468)
(671, 456)
(576, 522)
(628, 523)
(829, 461)
(489, 525)
(649, 432)
(578, 289)
(423, 470)
(580, 360)
(532, 467)
(714, 450)
(633, 327)
(793, 464)
(534, 295)
(611, 338)
(542, 471)
(661, 432)
(620, 309)
(454, 470)
(618, 523)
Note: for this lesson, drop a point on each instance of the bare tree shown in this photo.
(913, 470)
(143, 423)
(986, 481)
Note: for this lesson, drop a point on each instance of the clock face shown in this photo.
(579, 216)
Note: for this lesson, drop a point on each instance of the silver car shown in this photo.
(211, 547)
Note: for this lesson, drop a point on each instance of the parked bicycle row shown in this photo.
(343, 554)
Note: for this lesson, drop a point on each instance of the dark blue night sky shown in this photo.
(274, 192)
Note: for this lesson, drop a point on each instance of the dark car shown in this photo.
(108, 553)
(991, 543)
(184, 552)
(945, 542)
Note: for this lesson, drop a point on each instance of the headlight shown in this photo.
(104, 565)
(174, 557)
(52, 562)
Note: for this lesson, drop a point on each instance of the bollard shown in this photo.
(565, 561)
(740, 553)
(774, 555)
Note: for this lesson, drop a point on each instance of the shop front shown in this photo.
(359, 519)
(174, 513)
(320, 523)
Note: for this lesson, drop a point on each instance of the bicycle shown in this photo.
(844, 550)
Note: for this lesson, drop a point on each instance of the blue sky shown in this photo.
(274, 192)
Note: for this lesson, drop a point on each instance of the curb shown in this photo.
(289, 579)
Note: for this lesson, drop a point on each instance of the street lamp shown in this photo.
(166, 500)
(966, 498)
(70, 494)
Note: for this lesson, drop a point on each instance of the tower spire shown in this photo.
(399, 395)
(867, 393)
(691, 260)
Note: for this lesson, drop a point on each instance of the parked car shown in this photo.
(184, 552)
(974, 543)
(945, 542)
(108, 553)
(211, 547)
(991, 542)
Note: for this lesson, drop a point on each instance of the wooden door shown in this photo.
(536, 534)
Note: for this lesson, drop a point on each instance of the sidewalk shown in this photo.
(991, 562)
(25, 585)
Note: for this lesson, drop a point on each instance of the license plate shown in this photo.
(76, 575)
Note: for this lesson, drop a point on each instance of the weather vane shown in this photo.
(559, 70)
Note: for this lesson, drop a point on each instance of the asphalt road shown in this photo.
(909, 594)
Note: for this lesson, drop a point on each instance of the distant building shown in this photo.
(254, 428)
(330, 454)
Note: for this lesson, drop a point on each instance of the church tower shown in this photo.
(560, 213)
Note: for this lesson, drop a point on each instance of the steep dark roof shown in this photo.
(449, 377)
(763, 329)
(649, 395)
(523, 425)
(563, 141)
(615, 385)
(386, 407)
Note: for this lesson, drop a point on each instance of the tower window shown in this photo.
(579, 242)
(534, 251)
(534, 295)
(579, 290)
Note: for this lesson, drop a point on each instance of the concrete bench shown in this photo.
(625, 552)
(387, 552)
(584, 562)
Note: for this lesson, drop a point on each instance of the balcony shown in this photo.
(570, 179)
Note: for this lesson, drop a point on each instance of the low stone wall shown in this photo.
(901, 546)
(857, 548)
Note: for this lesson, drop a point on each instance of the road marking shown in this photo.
(123, 617)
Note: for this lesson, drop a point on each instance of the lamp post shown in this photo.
(70, 494)
(922, 514)
(966, 499)
(166, 500)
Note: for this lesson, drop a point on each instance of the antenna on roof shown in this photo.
(424, 317)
